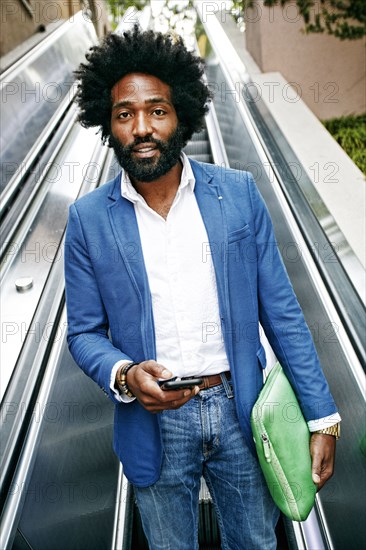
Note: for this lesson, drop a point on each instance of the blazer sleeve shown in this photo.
(87, 334)
(283, 321)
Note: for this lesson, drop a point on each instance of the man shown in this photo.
(169, 270)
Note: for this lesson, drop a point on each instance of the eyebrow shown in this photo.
(151, 100)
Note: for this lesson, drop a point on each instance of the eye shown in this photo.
(123, 115)
(159, 112)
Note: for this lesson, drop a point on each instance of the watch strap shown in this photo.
(334, 430)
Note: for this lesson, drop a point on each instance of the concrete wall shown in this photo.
(19, 20)
(327, 73)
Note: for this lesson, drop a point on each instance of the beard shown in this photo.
(149, 169)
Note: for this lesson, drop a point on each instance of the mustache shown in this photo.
(146, 139)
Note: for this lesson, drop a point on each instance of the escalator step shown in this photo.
(200, 136)
(197, 147)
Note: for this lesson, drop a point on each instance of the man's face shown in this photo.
(145, 134)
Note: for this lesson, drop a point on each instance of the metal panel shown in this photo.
(70, 499)
(33, 88)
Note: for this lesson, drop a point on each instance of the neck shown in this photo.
(163, 188)
(159, 194)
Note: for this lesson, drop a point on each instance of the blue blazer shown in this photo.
(110, 311)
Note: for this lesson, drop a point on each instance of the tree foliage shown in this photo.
(345, 19)
(173, 12)
(118, 7)
(350, 132)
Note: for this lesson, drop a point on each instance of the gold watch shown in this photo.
(332, 430)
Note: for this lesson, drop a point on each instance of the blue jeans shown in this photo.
(204, 438)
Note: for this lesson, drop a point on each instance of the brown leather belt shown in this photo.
(212, 380)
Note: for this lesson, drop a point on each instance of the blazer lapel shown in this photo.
(125, 230)
(209, 199)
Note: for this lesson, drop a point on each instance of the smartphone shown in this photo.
(178, 384)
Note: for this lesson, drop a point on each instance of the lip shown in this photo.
(145, 150)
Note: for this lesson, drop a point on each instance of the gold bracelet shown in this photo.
(332, 430)
(122, 379)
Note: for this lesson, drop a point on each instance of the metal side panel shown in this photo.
(70, 498)
(34, 87)
(35, 246)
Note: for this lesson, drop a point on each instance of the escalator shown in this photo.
(62, 485)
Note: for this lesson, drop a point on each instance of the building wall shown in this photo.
(21, 19)
(327, 73)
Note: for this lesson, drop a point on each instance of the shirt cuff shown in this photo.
(325, 422)
(121, 397)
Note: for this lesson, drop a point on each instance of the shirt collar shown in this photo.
(187, 179)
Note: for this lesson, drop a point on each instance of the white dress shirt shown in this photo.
(189, 340)
(182, 282)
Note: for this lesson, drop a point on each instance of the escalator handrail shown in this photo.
(23, 171)
(11, 72)
(15, 499)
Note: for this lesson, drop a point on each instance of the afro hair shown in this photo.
(146, 52)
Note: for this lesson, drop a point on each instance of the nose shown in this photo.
(142, 126)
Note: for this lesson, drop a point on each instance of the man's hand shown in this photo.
(322, 450)
(142, 381)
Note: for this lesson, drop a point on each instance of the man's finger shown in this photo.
(156, 370)
(316, 478)
(172, 400)
(322, 450)
(316, 469)
(317, 453)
